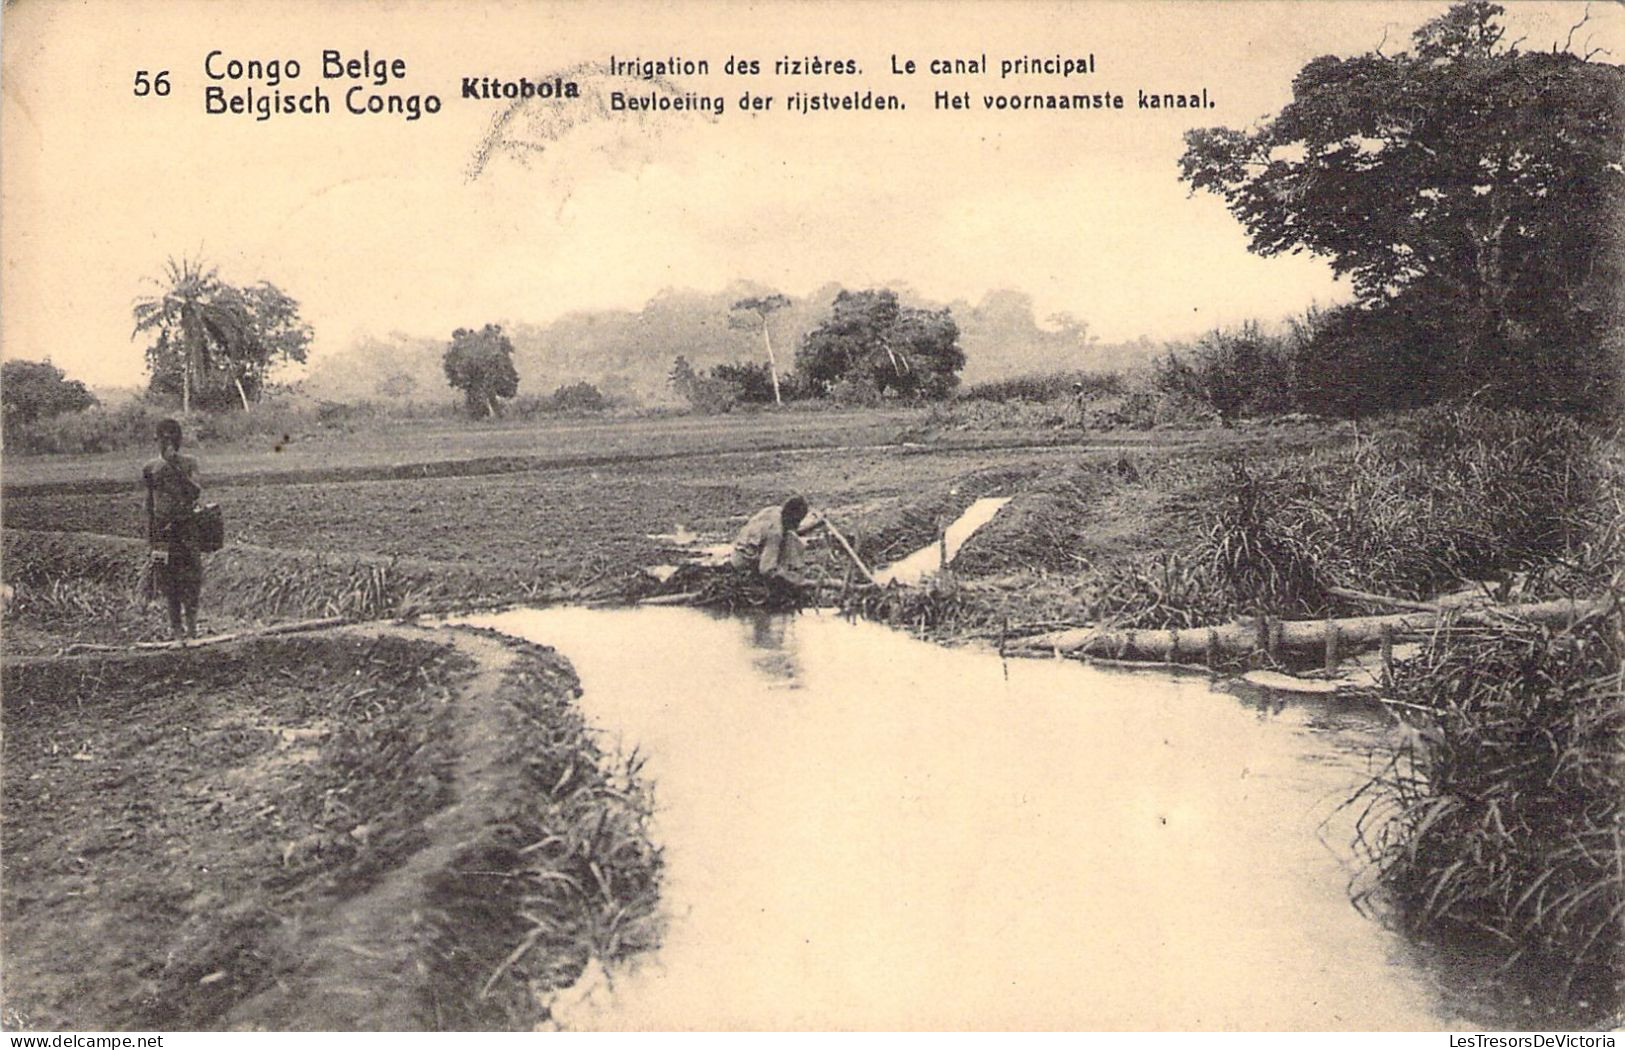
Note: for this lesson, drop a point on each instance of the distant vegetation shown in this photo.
(34, 390)
(628, 354)
(1472, 192)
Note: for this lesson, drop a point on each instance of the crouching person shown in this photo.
(172, 494)
(772, 542)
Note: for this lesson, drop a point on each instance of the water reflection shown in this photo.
(937, 839)
(768, 635)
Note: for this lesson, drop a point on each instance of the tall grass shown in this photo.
(1450, 495)
(569, 874)
(1502, 814)
(90, 587)
(1259, 561)
(336, 586)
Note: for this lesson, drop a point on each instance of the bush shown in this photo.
(1235, 372)
(705, 394)
(132, 425)
(93, 430)
(747, 382)
(1354, 362)
(859, 392)
(578, 397)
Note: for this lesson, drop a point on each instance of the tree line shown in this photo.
(1473, 192)
(869, 348)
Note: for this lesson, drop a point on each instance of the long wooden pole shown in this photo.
(847, 547)
(1382, 599)
(1291, 634)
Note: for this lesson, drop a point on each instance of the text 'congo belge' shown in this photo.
(258, 86)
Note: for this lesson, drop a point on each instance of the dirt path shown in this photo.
(358, 965)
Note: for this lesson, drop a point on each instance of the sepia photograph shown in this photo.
(827, 516)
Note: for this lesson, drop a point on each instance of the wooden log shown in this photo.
(1292, 634)
(1381, 599)
(682, 598)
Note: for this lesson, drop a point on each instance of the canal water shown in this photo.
(866, 831)
(928, 560)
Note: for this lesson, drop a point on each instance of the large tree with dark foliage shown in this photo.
(34, 390)
(480, 364)
(1473, 192)
(870, 338)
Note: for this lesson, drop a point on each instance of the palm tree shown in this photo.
(198, 317)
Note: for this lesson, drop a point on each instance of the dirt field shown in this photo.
(532, 523)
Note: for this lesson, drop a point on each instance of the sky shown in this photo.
(377, 224)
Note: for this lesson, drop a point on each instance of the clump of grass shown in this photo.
(317, 587)
(42, 558)
(1450, 495)
(1162, 590)
(1501, 817)
(1462, 493)
(938, 604)
(568, 873)
(1257, 559)
(68, 603)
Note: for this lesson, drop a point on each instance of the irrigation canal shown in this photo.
(867, 831)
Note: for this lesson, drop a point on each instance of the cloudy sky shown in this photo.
(378, 224)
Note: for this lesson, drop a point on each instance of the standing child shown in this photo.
(177, 563)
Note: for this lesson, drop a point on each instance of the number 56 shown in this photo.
(158, 85)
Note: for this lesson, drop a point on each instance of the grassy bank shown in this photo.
(86, 587)
(352, 831)
(1500, 821)
(1523, 505)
